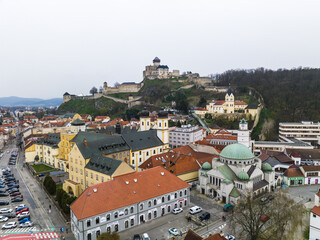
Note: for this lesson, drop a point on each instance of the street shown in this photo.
(34, 197)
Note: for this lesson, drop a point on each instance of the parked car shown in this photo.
(3, 219)
(2, 191)
(11, 163)
(145, 236)
(5, 210)
(4, 194)
(15, 194)
(177, 210)
(264, 218)
(136, 237)
(26, 224)
(228, 207)
(9, 215)
(18, 196)
(4, 203)
(14, 186)
(230, 237)
(263, 199)
(22, 209)
(2, 186)
(173, 231)
(17, 200)
(195, 210)
(270, 197)
(13, 190)
(204, 216)
(21, 206)
(9, 225)
(24, 214)
(23, 219)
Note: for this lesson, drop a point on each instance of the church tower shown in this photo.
(244, 133)
(156, 62)
(163, 128)
(229, 101)
(145, 120)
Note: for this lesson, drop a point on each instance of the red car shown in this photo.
(264, 218)
(15, 194)
(22, 210)
(18, 196)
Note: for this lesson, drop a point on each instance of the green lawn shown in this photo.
(41, 168)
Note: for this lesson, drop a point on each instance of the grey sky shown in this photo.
(50, 47)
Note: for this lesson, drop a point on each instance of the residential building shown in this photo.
(127, 201)
(293, 176)
(305, 156)
(237, 170)
(314, 232)
(279, 161)
(303, 175)
(306, 131)
(222, 137)
(185, 135)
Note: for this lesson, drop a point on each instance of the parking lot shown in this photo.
(304, 193)
(22, 189)
(159, 228)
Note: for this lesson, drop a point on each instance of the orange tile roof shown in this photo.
(316, 210)
(311, 168)
(117, 193)
(201, 157)
(216, 236)
(240, 103)
(293, 172)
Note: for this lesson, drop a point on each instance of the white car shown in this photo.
(5, 210)
(3, 219)
(145, 236)
(26, 224)
(21, 206)
(9, 225)
(230, 237)
(177, 210)
(195, 210)
(23, 214)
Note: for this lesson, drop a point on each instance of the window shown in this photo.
(159, 124)
(116, 227)
(147, 153)
(154, 151)
(132, 154)
(149, 204)
(91, 175)
(163, 199)
(139, 152)
(185, 192)
(116, 215)
(126, 224)
(102, 179)
(108, 229)
(155, 202)
(97, 220)
(160, 149)
(169, 197)
(89, 236)
(131, 210)
(155, 214)
(141, 206)
(98, 234)
(97, 177)
(175, 195)
(126, 211)
(87, 173)
(88, 223)
(140, 160)
(180, 193)
(81, 172)
(108, 217)
(132, 162)
(132, 222)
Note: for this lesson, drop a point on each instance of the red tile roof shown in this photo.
(316, 210)
(311, 168)
(124, 191)
(293, 172)
(219, 102)
(201, 157)
(240, 103)
(280, 156)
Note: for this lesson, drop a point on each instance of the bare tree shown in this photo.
(278, 219)
(93, 90)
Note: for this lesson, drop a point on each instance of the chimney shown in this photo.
(85, 142)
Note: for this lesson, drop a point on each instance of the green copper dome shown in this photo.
(236, 151)
(206, 166)
(243, 176)
(77, 122)
(266, 167)
(226, 181)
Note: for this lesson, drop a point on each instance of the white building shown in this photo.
(314, 233)
(236, 171)
(305, 131)
(185, 135)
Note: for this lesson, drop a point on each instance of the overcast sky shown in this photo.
(50, 47)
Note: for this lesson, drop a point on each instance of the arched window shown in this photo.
(149, 204)
(155, 214)
(131, 210)
(97, 220)
(169, 197)
(163, 199)
(116, 215)
(175, 195)
(155, 202)
(180, 193)
(141, 206)
(126, 211)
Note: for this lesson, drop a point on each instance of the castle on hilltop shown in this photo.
(157, 71)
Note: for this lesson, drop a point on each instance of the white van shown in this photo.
(195, 210)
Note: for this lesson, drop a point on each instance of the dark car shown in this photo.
(9, 215)
(17, 200)
(6, 173)
(15, 194)
(136, 237)
(2, 190)
(9, 176)
(228, 207)
(13, 186)
(4, 194)
(13, 190)
(204, 216)
(4, 202)
(10, 179)
(12, 163)
(270, 197)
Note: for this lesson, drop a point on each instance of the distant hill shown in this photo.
(33, 102)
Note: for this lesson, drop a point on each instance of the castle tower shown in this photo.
(163, 127)
(156, 62)
(66, 97)
(145, 120)
(229, 101)
(244, 133)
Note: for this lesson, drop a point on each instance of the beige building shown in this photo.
(157, 71)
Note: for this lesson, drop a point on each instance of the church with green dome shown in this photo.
(236, 171)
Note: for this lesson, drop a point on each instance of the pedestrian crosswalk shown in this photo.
(46, 235)
(19, 230)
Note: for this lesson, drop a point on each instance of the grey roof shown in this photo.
(128, 83)
(51, 140)
(77, 122)
(252, 106)
(98, 144)
(260, 184)
(162, 66)
(142, 140)
(156, 59)
(273, 162)
(251, 169)
(69, 115)
(103, 165)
